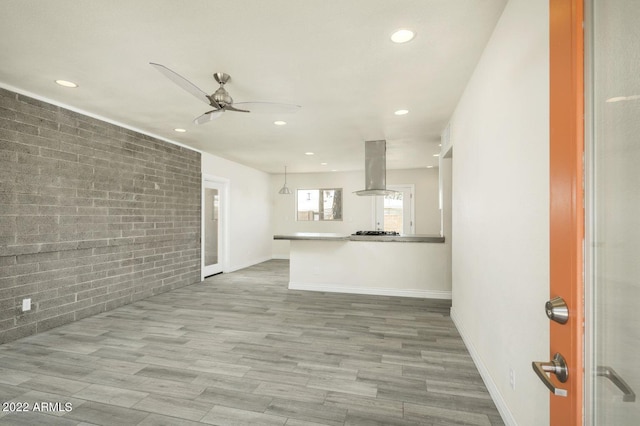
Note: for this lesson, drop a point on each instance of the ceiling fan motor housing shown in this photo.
(221, 96)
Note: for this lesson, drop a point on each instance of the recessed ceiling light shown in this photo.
(323, 164)
(66, 83)
(308, 153)
(436, 155)
(179, 130)
(401, 112)
(429, 167)
(334, 170)
(279, 123)
(402, 36)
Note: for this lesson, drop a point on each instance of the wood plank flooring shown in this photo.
(239, 349)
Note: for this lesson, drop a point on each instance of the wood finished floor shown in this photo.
(240, 348)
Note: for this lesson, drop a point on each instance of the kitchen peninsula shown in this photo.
(398, 265)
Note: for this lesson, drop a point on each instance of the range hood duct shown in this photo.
(375, 169)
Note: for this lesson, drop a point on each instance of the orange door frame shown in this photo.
(566, 59)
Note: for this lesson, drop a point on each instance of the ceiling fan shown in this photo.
(220, 100)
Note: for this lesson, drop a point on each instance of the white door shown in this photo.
(213, 217)
(613, 227)
(396, 212)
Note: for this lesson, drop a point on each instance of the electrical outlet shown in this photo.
(512, 379)
(26, 305)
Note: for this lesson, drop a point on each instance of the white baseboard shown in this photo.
(496, 396)
(246, 264)
(280, 256)
(332, 288)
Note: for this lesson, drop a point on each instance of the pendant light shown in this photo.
(284, 190)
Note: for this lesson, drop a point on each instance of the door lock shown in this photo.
(557, 366)
(557, 310)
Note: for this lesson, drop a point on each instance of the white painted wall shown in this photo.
(250, 195)
(446, 163)
(500, 251)
(357, 211)
(426, 197)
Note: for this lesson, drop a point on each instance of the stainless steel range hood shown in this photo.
(375, 169)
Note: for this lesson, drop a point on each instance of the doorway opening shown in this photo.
(395, 212)
(214, 225)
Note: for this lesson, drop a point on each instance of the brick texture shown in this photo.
(92, 216)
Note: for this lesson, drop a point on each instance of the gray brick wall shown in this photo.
(92, 216)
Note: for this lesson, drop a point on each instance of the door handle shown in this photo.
(610, 373)
(557, 366)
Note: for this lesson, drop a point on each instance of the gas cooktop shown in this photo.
(376, 233)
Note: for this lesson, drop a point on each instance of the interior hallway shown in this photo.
(240, 348)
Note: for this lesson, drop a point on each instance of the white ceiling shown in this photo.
(333, 57)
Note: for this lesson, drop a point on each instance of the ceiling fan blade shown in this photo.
(232, 108)
(267, 107)
(183, 82)
(208, 116)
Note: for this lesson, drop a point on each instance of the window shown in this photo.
(319, 204)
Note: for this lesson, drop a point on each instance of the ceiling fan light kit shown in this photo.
(221, 100)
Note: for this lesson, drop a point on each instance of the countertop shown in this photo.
(325, 236)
